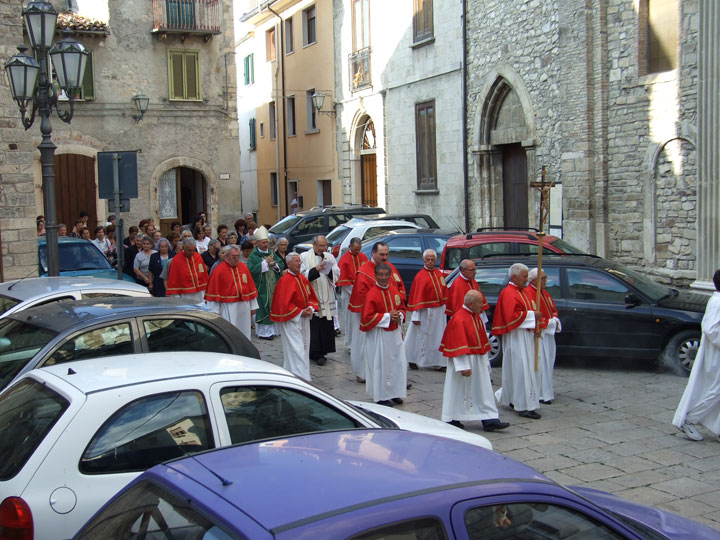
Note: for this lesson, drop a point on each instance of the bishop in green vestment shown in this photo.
(265, 271)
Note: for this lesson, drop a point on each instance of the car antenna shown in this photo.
(19, 280)
(71, 371)
(456, 225)
(225, 482)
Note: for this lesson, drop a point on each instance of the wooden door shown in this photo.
(368, 168)
(515, 186)
(75, 189)
(326, 192)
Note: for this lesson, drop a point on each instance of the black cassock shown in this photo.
(322, 330)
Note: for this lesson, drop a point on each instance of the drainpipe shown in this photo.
(466, 179)
(278, 60)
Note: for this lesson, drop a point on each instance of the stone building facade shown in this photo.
(411, 86)
(180, 54)
(569, 85)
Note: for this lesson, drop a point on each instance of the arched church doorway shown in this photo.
(368, 163)
(182, 195)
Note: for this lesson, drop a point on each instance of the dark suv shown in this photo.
(301, 227)
(498, 243)
(607, 310)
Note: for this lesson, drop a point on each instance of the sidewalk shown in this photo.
(607, 428)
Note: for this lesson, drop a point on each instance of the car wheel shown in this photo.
(495, 354)
(680, 352)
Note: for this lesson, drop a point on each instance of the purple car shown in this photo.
(369, 485)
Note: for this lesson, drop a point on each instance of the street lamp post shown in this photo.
(31, 85)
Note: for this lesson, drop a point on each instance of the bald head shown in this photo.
(474, 301)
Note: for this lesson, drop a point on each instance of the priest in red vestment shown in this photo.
(464, 282)
(231, 291)
(349, 265)
(187, 275)
(364, 281)
(514, 320)
(468, 393)
(294, 301)
(381, 320)
(426, 304)
(549, 326)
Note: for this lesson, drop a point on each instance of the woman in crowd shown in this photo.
(102, 243)
(85, 233)
(130, 253)
(173, 237)
(142, 262)
(158, 261)
(210, 257)
(201, 241)
(130, 239)
(245, 250)
(280, 252)
(110, 237)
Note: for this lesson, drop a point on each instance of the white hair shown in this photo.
(532, 274)
(429, 252)
(516, 268)
(189, 241)
(291, 255)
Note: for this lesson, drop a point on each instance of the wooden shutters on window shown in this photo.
(184, 75)
(425, 144)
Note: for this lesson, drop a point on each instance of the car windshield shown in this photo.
(76, 256)
(7, 303)
(28, 412)
(19, 343)
(285, 224)
(337, 235)
(565, 247)
(636, 280)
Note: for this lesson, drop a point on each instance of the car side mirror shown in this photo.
(631, 300)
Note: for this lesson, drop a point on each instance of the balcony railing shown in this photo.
(360, 76)
(187, 16)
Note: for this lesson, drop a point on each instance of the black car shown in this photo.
(607, 310)
(66, 331)
(301, 227)
(406, 249)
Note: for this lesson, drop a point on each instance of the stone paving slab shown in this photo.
(607, 428)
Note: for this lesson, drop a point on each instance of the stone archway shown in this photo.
(505, 151)
(364, 171)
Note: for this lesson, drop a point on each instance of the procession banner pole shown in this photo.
(544, 211)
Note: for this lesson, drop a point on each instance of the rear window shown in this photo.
(285, 224)
(28, 411)
(7, 303)
(19, 343)
(337, 235)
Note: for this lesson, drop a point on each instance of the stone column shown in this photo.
(708, 222)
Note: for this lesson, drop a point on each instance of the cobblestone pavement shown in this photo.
(607, 428)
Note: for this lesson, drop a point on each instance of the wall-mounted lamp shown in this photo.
(318, 99)
(141, 102)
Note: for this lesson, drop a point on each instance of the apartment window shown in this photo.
(361, 24)
(184, 75)
(249, 65)
(291, 115)
(310, 112)
(309, 26)
(253, 137)
(422, 20)
(273, 133)
(273, 189)
(425, 145)
(658, 39)
(289, 39)
(270, 44)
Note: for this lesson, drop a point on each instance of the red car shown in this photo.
(499, 242)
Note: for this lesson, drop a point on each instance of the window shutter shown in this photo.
(247, 70)
(88, 90)
(253, 142)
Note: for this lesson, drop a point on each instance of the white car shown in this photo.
(25, 293)
(72, 435)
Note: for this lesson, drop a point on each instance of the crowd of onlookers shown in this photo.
(146, 251)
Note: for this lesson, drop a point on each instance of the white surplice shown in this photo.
(546, 359)
(239, 314)
(295, 337)
(345, 292)
(422, 342)
(386, 368)
(700, 403)
(519, 381)
(468, 398)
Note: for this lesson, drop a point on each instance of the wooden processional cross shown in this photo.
(544, 188)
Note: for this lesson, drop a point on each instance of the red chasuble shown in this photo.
(349, 265)
(547, 305)
(230, 284)
(512, 307)
(293, 293)
(464, 334)
(365, 280)
(428, 290)
(457, 292)
(187, 276)
(378, 302)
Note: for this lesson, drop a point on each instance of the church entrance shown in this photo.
(515, 186)
(368, 164)
(182, 195)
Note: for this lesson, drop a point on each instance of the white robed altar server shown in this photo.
(383, 313)
(231, 291)
(426, 303)
(549, 326)
(293, 303)
(468, 393)
(514, 320)
(700, 403)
